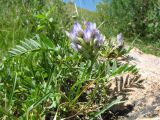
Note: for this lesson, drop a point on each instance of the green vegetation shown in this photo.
(138, 20)
(14, 24)
(42, 77)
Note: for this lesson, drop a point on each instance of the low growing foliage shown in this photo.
(46, 80)
(61, 75)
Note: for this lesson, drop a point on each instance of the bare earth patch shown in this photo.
(146, 101)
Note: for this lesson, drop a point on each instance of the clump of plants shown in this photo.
(47, 79)
(61, 74)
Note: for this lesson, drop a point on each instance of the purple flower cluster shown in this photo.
(89, 34)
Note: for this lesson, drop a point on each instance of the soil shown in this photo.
(145, 102)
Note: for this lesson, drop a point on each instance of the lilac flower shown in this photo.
(120, 39)
(71, 35)
(75, 46)
(87, 34)
(79, 46)
(91, 26)
(77, 30)
(100, 39)
(90, 35)
(90, 31)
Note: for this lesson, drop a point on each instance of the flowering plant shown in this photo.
(86, 39)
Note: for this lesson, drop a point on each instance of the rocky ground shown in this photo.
(145, 102)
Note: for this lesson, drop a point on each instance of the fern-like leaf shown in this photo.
(29, 45)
